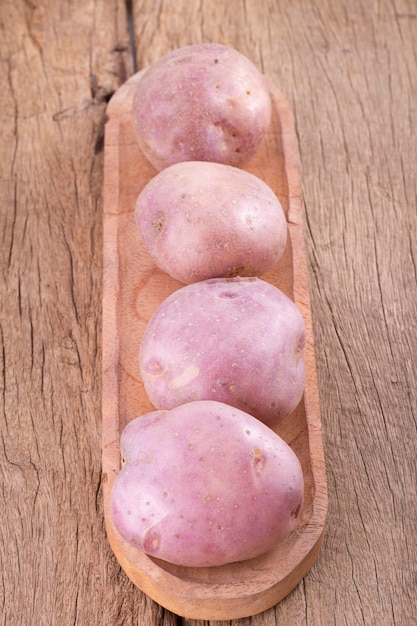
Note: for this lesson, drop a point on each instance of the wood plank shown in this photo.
(60, 62)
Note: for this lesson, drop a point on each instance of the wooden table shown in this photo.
(349, 70)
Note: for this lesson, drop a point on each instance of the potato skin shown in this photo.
(205, 484)
(240, 341)
(203, 220)
(205, 102)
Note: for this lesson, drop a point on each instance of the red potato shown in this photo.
(201, 220)
(205, 484)
(240, 341)
(205, 102)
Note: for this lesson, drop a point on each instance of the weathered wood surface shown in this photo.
(349, 69)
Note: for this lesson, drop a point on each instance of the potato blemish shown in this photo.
(155, 368)
(258, 460)
(151, 542)
(185, 377)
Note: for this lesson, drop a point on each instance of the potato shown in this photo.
(205, 102)
(205, 484)
(201, 220)
(239, 340)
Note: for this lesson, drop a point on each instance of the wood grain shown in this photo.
(349, 71)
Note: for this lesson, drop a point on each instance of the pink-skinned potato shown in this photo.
(204, 102)
(240, 341)
(201, 220)
(205, 484)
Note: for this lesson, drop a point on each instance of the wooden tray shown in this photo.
(132, 289)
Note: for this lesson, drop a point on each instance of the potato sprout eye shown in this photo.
(158, 224)
(228, 294)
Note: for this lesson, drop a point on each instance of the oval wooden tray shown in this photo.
(132, 289)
